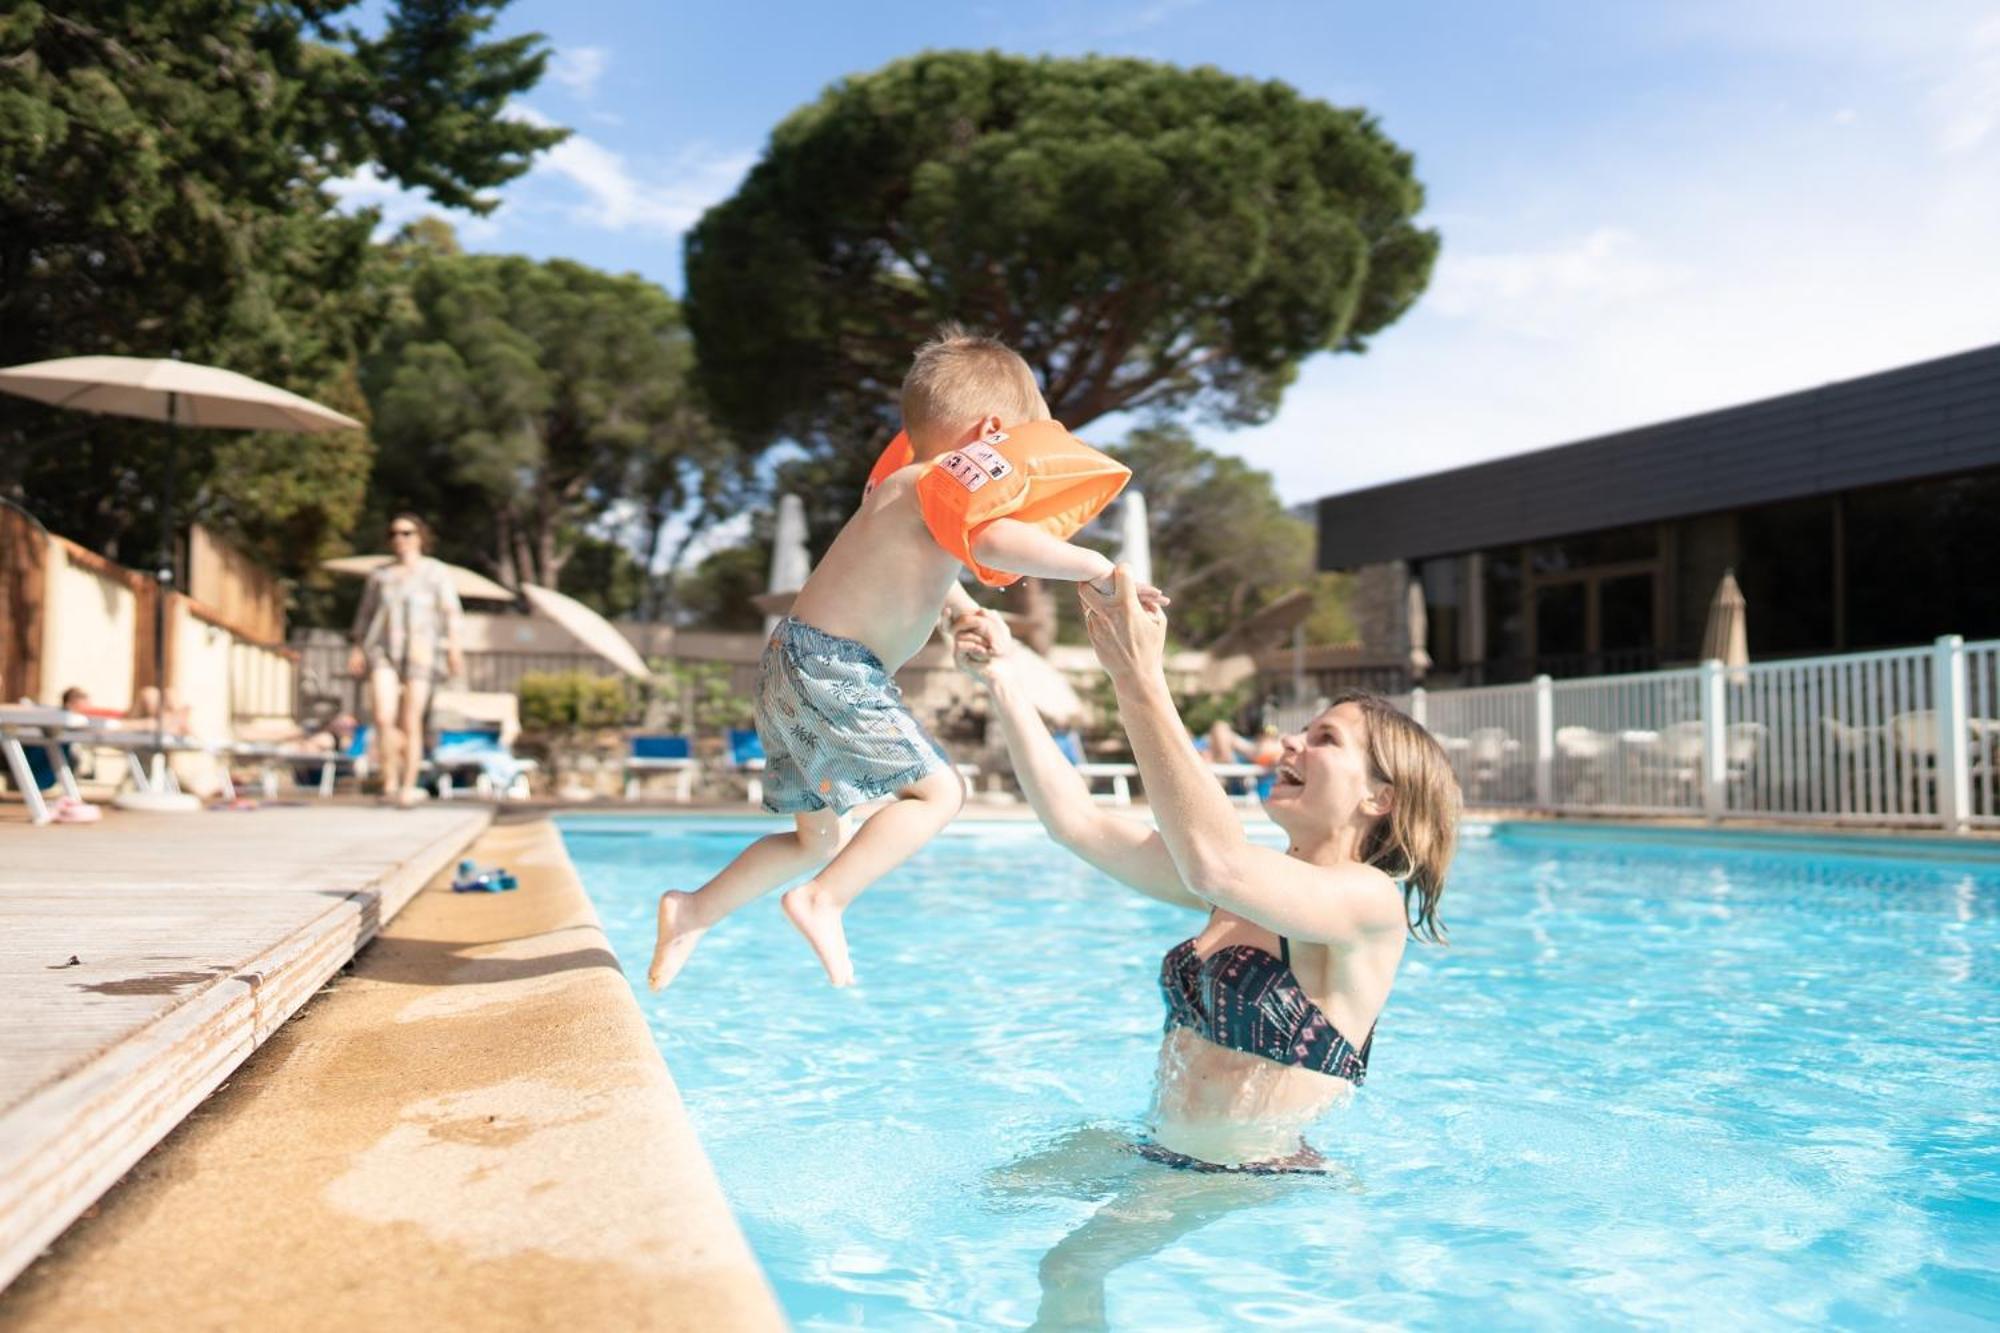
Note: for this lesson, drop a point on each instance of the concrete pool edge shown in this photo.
(120, 1091)
(476, 1124)
(1909, 845)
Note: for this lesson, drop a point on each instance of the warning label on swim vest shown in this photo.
(975, 465)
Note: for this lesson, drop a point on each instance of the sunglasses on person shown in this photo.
(402, 532)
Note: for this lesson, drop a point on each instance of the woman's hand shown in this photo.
(454, 661)
(357, 663)
(978, 640)
(1128, 631)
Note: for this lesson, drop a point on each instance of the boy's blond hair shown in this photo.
(959, 378)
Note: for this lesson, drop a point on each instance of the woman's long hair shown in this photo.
(1414, 842)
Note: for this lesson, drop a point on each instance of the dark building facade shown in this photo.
(1863, 514)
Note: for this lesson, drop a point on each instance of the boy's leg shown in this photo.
(889, 838)
(773, 859)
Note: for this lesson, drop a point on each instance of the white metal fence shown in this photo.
(1906, 736)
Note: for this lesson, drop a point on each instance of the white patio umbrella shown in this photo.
(592, 630)
(1135, 539)
(1420, 629)
(1726, 638)
(465, 582)
(180, 393)
(791, 563)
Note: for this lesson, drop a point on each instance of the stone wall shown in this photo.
(1379, 602)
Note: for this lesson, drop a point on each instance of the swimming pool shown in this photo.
(1650, 1083)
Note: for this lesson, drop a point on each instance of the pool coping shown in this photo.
(1908, 845)
(192, 956)
(476, 1124)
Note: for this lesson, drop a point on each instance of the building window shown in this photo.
(1919, 561)
(1784, 565)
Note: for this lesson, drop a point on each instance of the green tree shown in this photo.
(1150, 238)
(604, 575)
(1223, 543)
(716, 594)
(519, 402)
(164, 173)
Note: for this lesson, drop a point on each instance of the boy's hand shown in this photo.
(1149, 597)
(977, 638)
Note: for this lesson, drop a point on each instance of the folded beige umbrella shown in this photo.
(465, 582)
(179, 393)
(1726, 637)
(592, 630)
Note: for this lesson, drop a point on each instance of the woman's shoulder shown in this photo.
(1382, 891)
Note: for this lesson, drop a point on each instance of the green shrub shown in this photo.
(576, 700)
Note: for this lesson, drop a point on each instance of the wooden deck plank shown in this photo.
(195, 938)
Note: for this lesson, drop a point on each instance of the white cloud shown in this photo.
(619, 199)
(578, 68)
(1144, 17)
(369, 188)
(1967, 103)
(1790, 251)
(661, 198)
(1549, 290)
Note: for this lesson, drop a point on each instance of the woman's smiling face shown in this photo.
(1325, 779)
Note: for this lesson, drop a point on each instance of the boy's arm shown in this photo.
(958, 604)
(1022, 548)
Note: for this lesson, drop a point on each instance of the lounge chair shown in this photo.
(1120, 775)
(746, 760)
(27, 725)
(321, 769)
(654, 753)
(475, 756)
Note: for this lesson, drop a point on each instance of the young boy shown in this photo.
(835, 731)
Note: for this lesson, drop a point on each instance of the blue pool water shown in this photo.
(1647, 1085)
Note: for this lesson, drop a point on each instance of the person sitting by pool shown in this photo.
(1271, 1006)
(172, 717)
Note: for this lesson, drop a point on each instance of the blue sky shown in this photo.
(1647, 209)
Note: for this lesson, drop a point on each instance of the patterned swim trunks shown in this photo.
(835, 731)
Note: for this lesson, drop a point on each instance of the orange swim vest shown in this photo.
(1036, 472)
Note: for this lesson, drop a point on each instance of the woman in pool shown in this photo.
(1271, 1005)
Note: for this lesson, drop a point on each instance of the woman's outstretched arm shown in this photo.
(1122, 848)
(1215, 859)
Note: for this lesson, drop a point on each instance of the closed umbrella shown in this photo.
(1420, 630)
(592, 630)
(1726, 639)
(179, 393)
(1135, 539)
(465, 582)
(791, 563)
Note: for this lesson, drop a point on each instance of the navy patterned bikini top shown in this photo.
(1242, 998)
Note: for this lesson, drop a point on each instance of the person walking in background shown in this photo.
(406, 640)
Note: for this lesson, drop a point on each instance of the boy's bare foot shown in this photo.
(678, 936)
(817, 916)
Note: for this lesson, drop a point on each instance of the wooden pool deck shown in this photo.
(144, 957)
(471, 1128)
